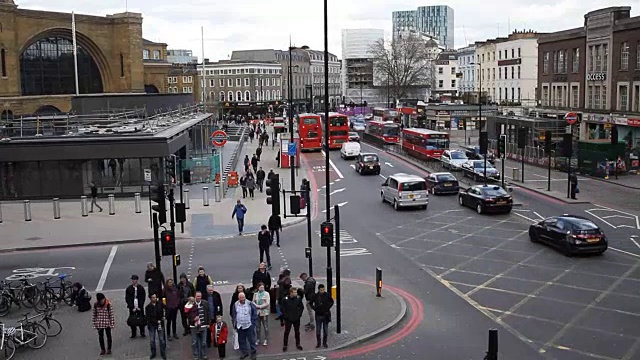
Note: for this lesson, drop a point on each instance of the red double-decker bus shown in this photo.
(424, 144)
(310, 130)
(388, 131)
(382, 114)
(338, 130)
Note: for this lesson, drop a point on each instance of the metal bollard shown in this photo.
(83, 206)
(378, 282)
(27, 210)
(205, 196)
(137, 203)
(186, 199)
(112, 204)
(492, 352)
(56, 208)
(218, 192)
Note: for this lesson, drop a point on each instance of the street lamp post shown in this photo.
(292, 157)
(480, 137)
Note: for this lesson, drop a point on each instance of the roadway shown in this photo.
(470, 272)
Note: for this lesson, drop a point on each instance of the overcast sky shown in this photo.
(256, 24)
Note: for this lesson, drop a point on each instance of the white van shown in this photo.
(350, 150)
(403, 190)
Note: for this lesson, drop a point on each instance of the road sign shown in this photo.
(571, 118)
(219, 138)
(147, 175)
(291, 149)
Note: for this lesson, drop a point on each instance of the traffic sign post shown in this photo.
(571, 118)
(292, 149)
(218, 139)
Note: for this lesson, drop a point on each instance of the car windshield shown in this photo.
(584, 225)
(480, 164)
(413, 186)
(354, 134)
(457, 155)
(446, 177)
(493, 191)
(369, 158)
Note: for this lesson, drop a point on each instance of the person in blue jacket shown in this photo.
(238, 211)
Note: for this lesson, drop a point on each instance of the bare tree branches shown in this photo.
(405, 63)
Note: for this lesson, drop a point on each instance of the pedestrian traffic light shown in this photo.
(168, 241)
(326, 234)
(484, 142)
(157, 196)
(502, 146)
(522, 137)
(170, 166)
(273, 194)
(567, 145)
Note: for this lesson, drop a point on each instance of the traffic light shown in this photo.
(502, 146)
(547, 142)
(326, 234)
(522, 137)
(614, 135)
(157, 196)
(484, 142)
(567, 145)
(170, 166)
(168, 241)
(273, 194)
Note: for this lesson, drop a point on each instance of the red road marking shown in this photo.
(417, 315)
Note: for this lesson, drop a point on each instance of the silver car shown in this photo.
(404, 190)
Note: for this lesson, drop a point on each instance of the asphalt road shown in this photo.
(470, 272)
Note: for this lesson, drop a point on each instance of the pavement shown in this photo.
(358, 302)
(72, 229)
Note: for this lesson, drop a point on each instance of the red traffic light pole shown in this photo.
(156, 242)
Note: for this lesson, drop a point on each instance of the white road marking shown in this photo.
(525, 217)
(538, 215)
(352, 166)
(354, 252)
(388, 164)
(107, 267)
(340, 205)
(605, 208)
(337, 191)
(382, 176)
(335, 168)
(635, 242)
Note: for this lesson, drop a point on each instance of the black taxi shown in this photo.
(368, 163)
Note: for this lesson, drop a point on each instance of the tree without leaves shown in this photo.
(406, 63)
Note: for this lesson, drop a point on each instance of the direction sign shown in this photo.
(147, 175)
(291, 150)
(571, 118)
(219, 138)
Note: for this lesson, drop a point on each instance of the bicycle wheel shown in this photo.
(8, 349)
(30, 296)
(53, 326)
(5, 305)
(68, 292)
(44, 300)
(36, 334)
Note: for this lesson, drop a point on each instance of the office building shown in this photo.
(437, 20)
(181, 56)
(357, 65)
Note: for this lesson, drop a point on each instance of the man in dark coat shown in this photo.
(135, 296)
(309, 294)
(155, 279)
(321, 304)
(262, 276)
(155, 316)
(264, 243)
(292, 309)
(260, 175)
(275, 226)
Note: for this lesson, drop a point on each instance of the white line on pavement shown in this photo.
(624, 252)
(107, 267)
(382, 176)
(635, 242)
(335, 168)
(538, 215)
(525, 217)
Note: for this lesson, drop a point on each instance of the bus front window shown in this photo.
(391, 131)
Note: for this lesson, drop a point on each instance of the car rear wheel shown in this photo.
(533, 236)
(395, 204)
(460, 201)
(479, 208)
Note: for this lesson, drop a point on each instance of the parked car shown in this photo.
(570, 234)
(350, 150)
(475, 170)
(453, 159)
(354, 136)
(442, 183)
(486, 199)
(367, 163)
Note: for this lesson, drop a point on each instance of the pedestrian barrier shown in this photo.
(112, 204)
(492, 351)
(56, 208)
(205, 196)
(83, 206)
(137, 203)
(27, 210)
(232, 179)
(217, 192)
(187, 202)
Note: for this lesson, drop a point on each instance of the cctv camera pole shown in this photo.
(326, 136)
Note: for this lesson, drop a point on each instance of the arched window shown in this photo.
(230, 96)
(46, 68)
(279, 95)
(268, 95)
(221, 95)
(262, 96)
(238, 95)
(258, 95)
(247, 96)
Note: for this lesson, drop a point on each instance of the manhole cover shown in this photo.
(35, 238)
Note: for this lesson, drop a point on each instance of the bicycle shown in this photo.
(54, 294)
(25, 294)
(52, 326)
(31, 334)
(7, 347)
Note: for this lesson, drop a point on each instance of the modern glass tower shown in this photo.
(436, 20)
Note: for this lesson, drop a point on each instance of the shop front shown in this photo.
(599, 127)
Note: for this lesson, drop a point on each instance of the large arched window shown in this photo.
(279, 95)
(268, 96)
(230, 96)
(238, 95)
(247, 96)
(221, 95)
(46, 68)
(257, 95)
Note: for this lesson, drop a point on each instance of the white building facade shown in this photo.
(446, 73)
(357, 65)
(316, 59)
(230, 81)
(467, 68)
(518, 69)
(486, 69)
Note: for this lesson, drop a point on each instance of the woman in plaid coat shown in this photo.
(104, 321)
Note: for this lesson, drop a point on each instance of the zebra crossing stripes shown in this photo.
(348, 239)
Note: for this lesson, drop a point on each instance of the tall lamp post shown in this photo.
(481, 138)
(292, 157)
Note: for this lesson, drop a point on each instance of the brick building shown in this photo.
(594, 71)
(109, 53)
